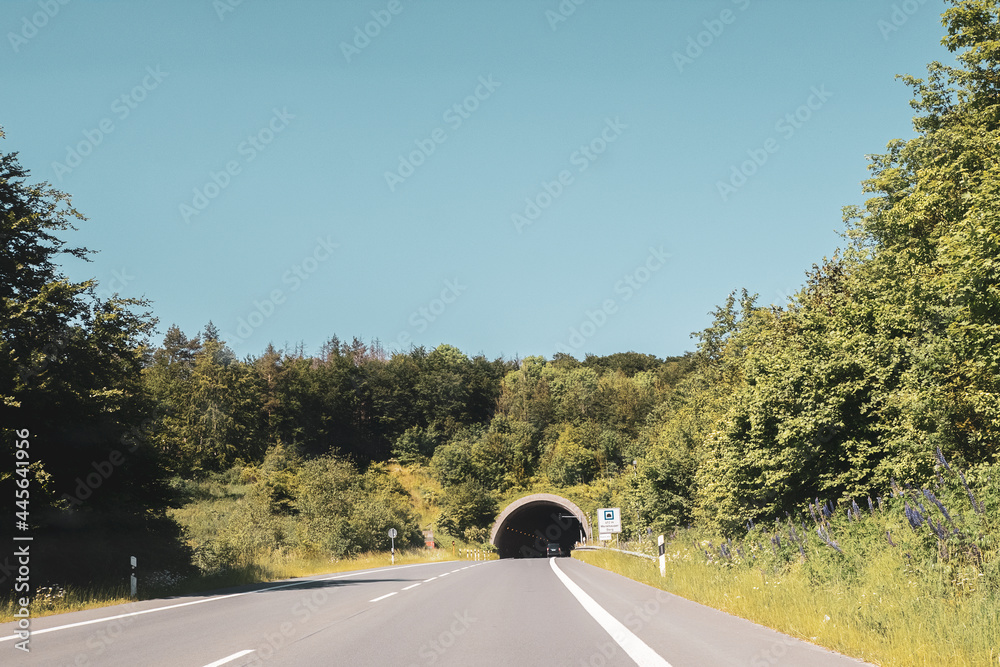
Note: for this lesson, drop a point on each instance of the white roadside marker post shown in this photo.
(663, 556)
(134, 582)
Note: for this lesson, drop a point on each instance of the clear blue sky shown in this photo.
(232, 159)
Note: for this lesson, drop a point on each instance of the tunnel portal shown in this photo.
(527, 525)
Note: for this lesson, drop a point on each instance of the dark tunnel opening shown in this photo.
(527, 530)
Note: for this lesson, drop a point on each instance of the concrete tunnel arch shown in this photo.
(524, 527)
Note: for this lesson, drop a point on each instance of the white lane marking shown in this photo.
(413, 585)
(431, 579)
(229, 658)
(301, 582)
(387, 595)
(444, 575)
(636, 649)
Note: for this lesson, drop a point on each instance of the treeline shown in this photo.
(889, 353)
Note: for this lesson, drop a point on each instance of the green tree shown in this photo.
(70, 369)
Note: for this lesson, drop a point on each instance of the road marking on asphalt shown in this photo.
(636, 649)
(431, 579)
(300, 582)
(387, 595)
(229, 658)
(444, 575)
(413, 585)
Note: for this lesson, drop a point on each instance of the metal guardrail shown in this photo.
(621, 551)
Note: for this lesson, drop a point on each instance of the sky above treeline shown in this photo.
(513, 178)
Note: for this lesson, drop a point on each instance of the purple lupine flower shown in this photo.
(889, 537)
(941, 459)
(972, 499)
(931, 497)
(871, 507)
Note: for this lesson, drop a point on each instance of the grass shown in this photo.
(877, 604)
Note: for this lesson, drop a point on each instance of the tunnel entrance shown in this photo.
(527, 525)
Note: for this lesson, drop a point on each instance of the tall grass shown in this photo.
(914, 580)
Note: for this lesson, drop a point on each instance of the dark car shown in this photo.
(553, 549)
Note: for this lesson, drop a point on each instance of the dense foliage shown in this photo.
(889, 353)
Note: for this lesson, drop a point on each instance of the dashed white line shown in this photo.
(300, 582)
(230, 658)
(413, 585)
(431, 579)
(387, 595)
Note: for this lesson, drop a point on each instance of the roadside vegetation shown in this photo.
(910, 579)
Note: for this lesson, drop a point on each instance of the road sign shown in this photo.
(392, 536)
(392, 532)
(604, 537)
(609, 520)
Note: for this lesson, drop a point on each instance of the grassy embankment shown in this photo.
(893, 586)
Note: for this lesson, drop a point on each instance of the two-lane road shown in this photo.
(510, 612)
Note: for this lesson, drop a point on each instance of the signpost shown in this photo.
(392, 536)
(663, 556)
(609, 522)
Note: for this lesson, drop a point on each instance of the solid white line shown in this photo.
(300, 582)
(229, 658)
(636, 649)
(412, 586)
(387, 595)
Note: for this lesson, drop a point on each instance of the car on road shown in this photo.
(553, 549)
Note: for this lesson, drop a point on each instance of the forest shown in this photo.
(883, 368)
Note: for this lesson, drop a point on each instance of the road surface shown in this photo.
(556, 611)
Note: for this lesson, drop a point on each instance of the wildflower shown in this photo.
(931, 497)
(914, 517)
(889, 537)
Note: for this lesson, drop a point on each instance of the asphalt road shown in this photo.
(511, 612)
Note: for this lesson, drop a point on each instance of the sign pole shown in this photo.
(392, 536)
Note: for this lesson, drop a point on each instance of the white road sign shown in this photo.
(609, 520)
(392, 532)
